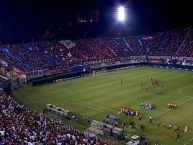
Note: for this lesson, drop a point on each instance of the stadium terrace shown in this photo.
(72, 73)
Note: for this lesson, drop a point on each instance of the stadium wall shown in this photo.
(80, 73)
(172, 67)
(175, 63)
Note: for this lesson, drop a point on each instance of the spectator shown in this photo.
(20, 125)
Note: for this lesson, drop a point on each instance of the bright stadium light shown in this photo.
(121, 14)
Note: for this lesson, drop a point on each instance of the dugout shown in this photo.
(61, 112)
(97, 124)
(96, 127)
(100, 128)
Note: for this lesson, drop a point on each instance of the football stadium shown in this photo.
(67, 80)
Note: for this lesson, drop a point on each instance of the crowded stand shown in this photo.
(187, 46)
(20, 125)
(62, 54)
(135, 45)
(166, 43)
(96, 73)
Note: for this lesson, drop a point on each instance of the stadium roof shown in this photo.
(27, 19)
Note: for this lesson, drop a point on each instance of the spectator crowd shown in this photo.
(65, 53)
(19, 125)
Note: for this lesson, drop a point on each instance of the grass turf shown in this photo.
(96, 96)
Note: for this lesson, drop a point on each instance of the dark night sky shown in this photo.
(28, 19)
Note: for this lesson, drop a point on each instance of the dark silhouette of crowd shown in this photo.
(65, 53)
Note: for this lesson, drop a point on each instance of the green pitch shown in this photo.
(96, 96)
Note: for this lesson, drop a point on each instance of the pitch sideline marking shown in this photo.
(93, 114)
(83, 102)
(103, 108)
(90, 114)
(80, 105)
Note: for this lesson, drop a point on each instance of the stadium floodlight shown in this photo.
(121, 14)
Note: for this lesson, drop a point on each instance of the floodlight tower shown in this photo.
(121, 15)
(121, 20)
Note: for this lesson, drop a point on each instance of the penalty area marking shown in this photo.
(179, 92)
(161, 113)
(190, 98)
